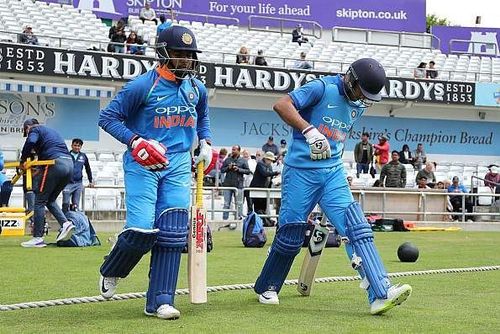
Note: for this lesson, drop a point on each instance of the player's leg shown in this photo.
(349, 220)
(172, 222)
(66, 197)
(300, 193)
(138, 235)
(228, 197)
(76, 196)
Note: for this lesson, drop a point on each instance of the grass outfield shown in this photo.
(447, 303)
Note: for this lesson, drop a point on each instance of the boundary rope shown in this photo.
(231, 287)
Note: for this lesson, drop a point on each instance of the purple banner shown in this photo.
(482, 41)
(401, 15)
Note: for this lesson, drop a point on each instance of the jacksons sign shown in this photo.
(97, 65)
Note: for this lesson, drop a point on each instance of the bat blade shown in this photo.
(317, 243)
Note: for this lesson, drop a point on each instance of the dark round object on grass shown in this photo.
(408, 252)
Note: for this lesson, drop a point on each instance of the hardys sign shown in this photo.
(29, 59)
(34, 60)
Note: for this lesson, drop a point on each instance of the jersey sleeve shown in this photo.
(203, 126)
(123, 105)
(307, 95)
(33, 137)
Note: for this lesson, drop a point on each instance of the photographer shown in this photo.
(235, 167)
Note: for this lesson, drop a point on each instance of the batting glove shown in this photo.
(205, 154)
(318, 144)
(149, 153)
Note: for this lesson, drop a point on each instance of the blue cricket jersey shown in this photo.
(154, 107)
(322, 103)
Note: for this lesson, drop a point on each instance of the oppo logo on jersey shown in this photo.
(176, 110)
(333, 122)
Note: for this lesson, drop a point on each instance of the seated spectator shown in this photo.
(243, 57)
(117, 41)
(283, 148)
(147, 13)
(439, 185)
(303, 63)
(428, 172)
(27, 37)
(164, 24)
(420, 72)
(431, 72)
(422, 183)
(405, 156)
(270, 146)
(492, 177)
(419, 157)
(298, 35)
(134, 44)
(456, 201)
(349, 181)
(120, 25)
(260, 60)
(393, 173)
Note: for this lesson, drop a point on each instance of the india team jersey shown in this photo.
(323, 104)
(153, 107)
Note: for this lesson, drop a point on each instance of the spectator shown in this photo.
(420, 71)
(50, 181)
(147, 13)
(422, 183)
(260, 60)
(27, 37)
(303, 63)
(492, 177)
(164, 25)
(216, 172)
(243, 57)
(431, 72)
(283, 148)
(381, 153)
(247, 178)
(298, 35)
(73, 190)
(117, 41)
(120, 25)
(363, 154)
(456, 201)
(419, 157)
(5, 186)
(235, 167)
(134, 44)
(439, 185)
(393, 173)
(427, 171)
(270, 146)
(258, 155)
(405, 156)
(262, 179)
(349, 181)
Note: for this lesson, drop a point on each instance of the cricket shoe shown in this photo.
(34, 243)
(396, 295)
(107, 286)
(269, 297)
(165, 311)
(66, 232)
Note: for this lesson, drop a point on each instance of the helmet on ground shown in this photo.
(177, 39)
(369, 75)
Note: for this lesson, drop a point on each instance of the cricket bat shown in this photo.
(197, 245)
(317, 242)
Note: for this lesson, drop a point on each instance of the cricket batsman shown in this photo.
(322, 112)
(157, 116)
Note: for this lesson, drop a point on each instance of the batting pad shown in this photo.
(166, 257)
(286, 245)
(131, 245)
(360, 236)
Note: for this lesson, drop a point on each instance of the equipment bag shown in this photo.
(84, 233)
(253, 231)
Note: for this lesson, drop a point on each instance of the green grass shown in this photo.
(449, 303)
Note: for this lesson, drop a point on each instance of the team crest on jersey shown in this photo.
(187, 38)
(191, 96)
(353, 113)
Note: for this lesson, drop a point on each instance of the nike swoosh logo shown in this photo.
(330, 106)
(161, 98)
(103, 288)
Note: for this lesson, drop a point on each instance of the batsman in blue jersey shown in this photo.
(322, 112)
(158, 115)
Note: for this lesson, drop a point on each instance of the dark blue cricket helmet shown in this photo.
(178, 38)
(369, 75)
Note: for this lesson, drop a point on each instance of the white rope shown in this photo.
(137, 295)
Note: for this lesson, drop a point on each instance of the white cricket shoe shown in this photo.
(66, 231)
(165, 311)
(269, 297)
(396, 295)
(36, 242)
(107, 286)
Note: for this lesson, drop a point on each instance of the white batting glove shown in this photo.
(318, 144)
(205, 153)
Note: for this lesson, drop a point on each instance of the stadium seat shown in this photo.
(484, 200)
(107, 199)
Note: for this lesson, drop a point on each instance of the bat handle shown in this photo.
(199, 183)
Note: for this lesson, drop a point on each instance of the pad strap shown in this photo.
(131, 245)
(360, 236)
